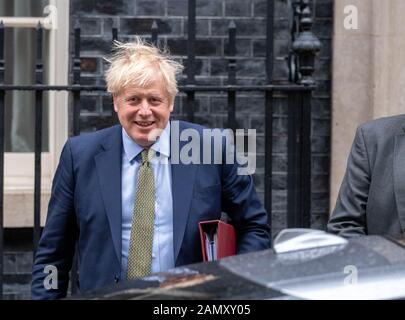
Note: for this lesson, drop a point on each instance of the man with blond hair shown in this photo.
(122, 200)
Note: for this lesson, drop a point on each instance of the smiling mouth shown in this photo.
(144, 124)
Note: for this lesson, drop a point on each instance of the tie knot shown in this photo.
(146, 155)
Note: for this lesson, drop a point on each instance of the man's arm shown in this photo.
(240, 202)
(349, 216)
(57, 243)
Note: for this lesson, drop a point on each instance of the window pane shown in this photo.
(20, 49)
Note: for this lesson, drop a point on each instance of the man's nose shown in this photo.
(145, 108)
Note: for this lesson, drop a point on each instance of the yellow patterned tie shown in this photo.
(141, 241)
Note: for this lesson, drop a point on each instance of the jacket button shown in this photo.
(116, 279)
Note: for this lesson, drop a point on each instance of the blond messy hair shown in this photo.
(141, 64)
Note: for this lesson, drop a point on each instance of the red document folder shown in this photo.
(218, 239)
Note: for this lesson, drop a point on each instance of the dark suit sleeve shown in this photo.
(56, 246)
(240, 202)
(349, 216)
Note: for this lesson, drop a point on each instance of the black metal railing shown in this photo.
(303, 48)
(38, 137)
(2, 116)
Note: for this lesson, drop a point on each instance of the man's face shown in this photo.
(141, 110)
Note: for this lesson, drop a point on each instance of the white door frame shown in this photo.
(19, 167)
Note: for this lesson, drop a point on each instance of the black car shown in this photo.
(303, 264)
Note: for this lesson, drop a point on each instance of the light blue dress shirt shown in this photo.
(162, 251)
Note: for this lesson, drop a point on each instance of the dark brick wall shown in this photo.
(17, 275)
(17, 263)
(213, 17)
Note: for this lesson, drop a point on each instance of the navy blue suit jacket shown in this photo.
(85, 207)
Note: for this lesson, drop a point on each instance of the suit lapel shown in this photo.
(183, 177)
(399, 177)
(108, 164)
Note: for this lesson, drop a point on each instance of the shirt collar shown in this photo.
(162, 145)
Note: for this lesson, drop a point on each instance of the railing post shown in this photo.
(154, 33)
(76, 131)
(38, 137)
(76, 81)
(294, 31)
(232, 76)
(114, 30)
(294, 150)
(270, 41)
(191, 59)
(305, 46)
(1, 157)
(268, 158)
(306, 159)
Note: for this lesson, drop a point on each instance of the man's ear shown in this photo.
(171, 104)
(115, 101)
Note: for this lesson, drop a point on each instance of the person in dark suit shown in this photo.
(122, 195)
(371, 199)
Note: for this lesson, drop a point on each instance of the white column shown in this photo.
(368, 74)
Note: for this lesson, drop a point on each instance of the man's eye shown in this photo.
(155, 101)
(133, 100)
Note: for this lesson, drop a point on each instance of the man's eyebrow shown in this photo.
(129, 97)
(130, 94)
(144, 94)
